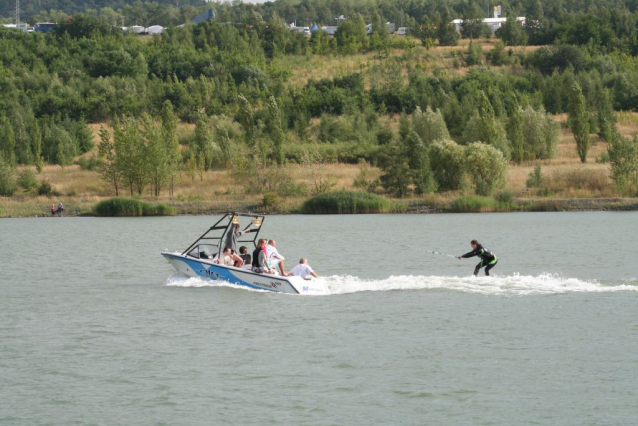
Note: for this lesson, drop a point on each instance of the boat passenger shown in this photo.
(260, 261)
(274, 258)
(225, 258)
(488, 259)
(233, 235)
(245, 256)
(303, 270)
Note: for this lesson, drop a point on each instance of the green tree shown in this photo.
(7, 140)
(379, 37)
(446, 32)
(7, 177)
(130, 154)
(427, 32)
(512, 32)
(173, 153)
(246, 118)
(578, 120)
(396, 177)
(275, 130)
(486, 166)
(606, 117)
(204, 142)
(429, 125)
(155, 154)
(419, 164)
(474, 54)
(108, 165)
(485, 127)
(515, 134)
(541, 133)
(447, 161)
(623, 156)
(36, 137)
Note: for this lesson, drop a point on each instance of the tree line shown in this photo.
(233, 73)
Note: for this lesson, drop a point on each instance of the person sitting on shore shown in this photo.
(60, 208)
(303, 270)
(52, 209)
(275, 258)
(260, 261)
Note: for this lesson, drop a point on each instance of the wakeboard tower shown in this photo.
(197, 260)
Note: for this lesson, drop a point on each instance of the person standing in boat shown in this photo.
(233, 235)
(275, 258)
(303, 270)
(260, 260)
(488, 259)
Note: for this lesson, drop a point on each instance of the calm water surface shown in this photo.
(96, 329)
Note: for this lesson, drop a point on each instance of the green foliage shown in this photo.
(7, 178)
(512, 32)
(579, 120)
(127, 207)
(497, 56)
(474, 55)
(486, 166)
(540, 132)
(45, 188)
(346, 202)
(515, 134)
(485, 127)
(89, 163)
(429, 125)
(27, 181)
(473, 204)
(269, 201)
(535, 178)
(623, 156)
(447, 161)
(446, 33)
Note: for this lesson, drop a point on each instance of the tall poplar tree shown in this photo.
(578, 120)
(515, 134)
(173, 153)
(276, 130)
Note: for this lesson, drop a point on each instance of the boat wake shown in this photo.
(514, 285)
(495, 285)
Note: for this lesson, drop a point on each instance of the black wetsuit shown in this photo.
(488, 259)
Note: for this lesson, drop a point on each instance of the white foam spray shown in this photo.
(515, 285)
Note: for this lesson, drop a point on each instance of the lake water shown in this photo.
(96, 329)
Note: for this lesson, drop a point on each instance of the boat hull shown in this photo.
(203, 268)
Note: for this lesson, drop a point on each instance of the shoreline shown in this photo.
(521, 205)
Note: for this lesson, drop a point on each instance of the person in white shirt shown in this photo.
(225, 258)
(303, 270)
(275, 258)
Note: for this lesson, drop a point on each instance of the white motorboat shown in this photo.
(197, 261)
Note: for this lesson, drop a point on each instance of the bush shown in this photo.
(342, 202)
(126, 207)
(89, 163)
(27, 180)
(535, 178)
(504, 197)
(473, 204)
(47, 189)
(269, 201)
